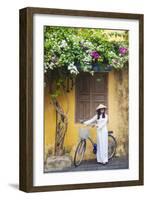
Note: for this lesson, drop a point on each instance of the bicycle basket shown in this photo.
(84, 132)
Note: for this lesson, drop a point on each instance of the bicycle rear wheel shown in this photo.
(79, 153)
(111, 146)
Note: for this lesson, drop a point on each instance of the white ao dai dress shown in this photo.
(102, 137)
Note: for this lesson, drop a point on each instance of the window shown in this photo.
(90, 92)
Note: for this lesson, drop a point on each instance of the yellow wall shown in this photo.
(118, 108)
(117, 122)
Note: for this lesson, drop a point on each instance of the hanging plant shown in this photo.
(73, 50)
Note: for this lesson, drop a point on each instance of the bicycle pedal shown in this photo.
(94, 151)
(94, 148)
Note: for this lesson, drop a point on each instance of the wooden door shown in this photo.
(90, 92)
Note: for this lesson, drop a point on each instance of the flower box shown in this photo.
(101, 67)
(97, 67)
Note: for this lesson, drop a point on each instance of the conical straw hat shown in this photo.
(100, 106)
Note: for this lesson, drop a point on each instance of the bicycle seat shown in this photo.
(110, 132)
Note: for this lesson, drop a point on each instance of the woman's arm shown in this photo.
(90, 121)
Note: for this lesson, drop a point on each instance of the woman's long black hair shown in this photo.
(99, 113)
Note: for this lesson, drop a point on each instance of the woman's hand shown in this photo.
(93, 125)
(82, 121)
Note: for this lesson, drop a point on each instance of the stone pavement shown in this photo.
(92, 165)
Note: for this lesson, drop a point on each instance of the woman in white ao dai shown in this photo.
(100, 119)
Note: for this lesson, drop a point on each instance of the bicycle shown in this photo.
(81, 147)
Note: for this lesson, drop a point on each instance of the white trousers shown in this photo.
(102, 145)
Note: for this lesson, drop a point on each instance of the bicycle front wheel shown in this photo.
(79, 153)
(111, 146)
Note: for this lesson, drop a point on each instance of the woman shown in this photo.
(101, 119)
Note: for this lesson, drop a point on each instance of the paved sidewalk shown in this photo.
(92, 165)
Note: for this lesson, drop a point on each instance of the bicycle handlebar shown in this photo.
(91, 125)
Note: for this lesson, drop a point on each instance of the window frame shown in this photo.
(76, 93)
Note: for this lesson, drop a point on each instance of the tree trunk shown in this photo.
(61, 115)
(61, 128)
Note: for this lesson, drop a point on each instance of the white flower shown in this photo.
(46, 66)
(88, 43)
(92, 73)
(88, 51)
(87, 59)
(51, 65)
(63, 44)
(72, 68)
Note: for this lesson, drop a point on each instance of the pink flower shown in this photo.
(95, 55)
(123, 50)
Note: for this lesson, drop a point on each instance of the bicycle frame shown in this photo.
(90, 139)
(92, 142)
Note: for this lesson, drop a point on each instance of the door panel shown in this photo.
(90, 92)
